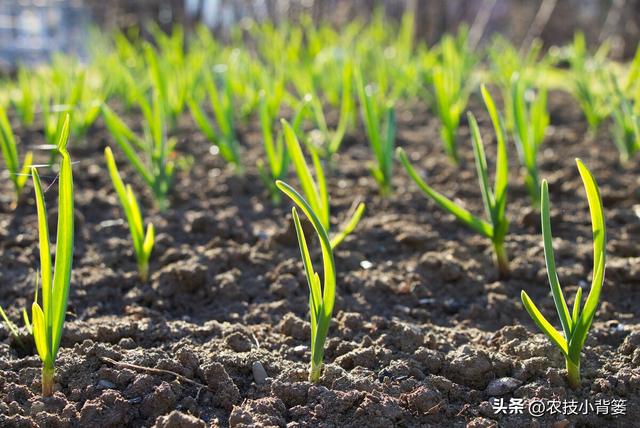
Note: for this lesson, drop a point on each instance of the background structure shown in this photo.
(31, 29)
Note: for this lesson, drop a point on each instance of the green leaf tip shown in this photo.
(63, 136)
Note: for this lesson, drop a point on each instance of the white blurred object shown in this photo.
(31, 30)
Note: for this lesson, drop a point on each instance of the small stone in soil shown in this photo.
(259, 373)
(402, 309)
(502, 386)
(110, 223)
(300, 349)
(366, 264)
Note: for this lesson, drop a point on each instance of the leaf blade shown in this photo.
(552, 275)
(464, 216)
(544, 325)
(64, 240)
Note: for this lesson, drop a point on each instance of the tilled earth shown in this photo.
(424, 333)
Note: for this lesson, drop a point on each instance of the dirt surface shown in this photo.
(424, 333)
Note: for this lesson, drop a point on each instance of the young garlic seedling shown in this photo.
(331, 140)
(276, 151)
(495, 200)
(142, 241)
(321, 297)
(48, 319)
(450, 102)
(13, 328)
(275, 148)
(172, 73)
(575, 325)
(382, 143)
(506, 60)
(531, 120)
(150, 156)
(70, 92)
(18, 174)
(452, 83)
(222, 105)
(626, 124)
(316, 190)
(587, 79)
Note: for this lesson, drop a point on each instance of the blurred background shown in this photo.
(31, 29)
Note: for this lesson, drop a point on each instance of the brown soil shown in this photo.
(422, 332)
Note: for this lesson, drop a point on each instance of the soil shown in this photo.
(424, 332)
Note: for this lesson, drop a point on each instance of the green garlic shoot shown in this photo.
(48, 319)
(575, 324)
(142, 241)
(531, 120)
(495, 200)
(149, 155)
(18, 174)
(321, 293)
(223, 135)
(13, 328)
(381, 137)
(316, 191)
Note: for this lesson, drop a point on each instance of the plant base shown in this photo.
(314, 373)
(573, 374)
(47, 381)
(502, 261)
(143, 272)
